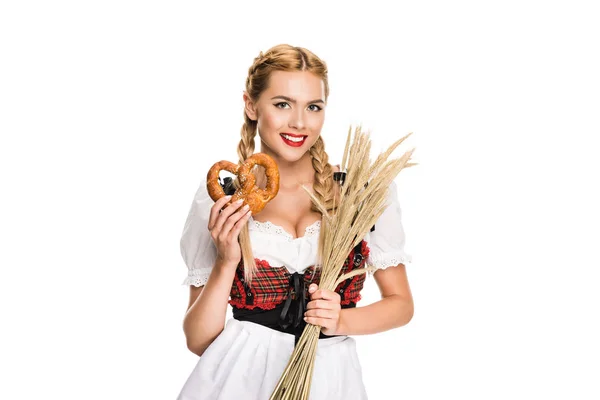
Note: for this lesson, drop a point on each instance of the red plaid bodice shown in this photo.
(272, 285)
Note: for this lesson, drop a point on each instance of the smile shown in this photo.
(293, 140)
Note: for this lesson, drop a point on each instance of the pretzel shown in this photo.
(253, 196)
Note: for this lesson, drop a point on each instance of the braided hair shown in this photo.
(284, 57)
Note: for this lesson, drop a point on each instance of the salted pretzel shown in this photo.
(256, 198)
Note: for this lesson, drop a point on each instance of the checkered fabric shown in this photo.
(271, 284)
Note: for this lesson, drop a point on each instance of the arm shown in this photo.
(395, 309)
(205, 317)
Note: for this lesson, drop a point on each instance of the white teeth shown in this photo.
(293, 139)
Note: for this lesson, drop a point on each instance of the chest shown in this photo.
(290, 211)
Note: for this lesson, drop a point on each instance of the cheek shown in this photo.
(317, 120)
(272, 122)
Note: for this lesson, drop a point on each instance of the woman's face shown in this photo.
(290, 113)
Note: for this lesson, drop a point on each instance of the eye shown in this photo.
(317, 108)
(282, 105)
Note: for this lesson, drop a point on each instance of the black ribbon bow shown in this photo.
(294, 307)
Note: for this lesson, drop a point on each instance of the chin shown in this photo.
(292, 156)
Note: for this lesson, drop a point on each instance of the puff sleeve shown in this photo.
(197, 247)
(386, 242)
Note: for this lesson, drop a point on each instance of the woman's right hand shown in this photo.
(225, 226)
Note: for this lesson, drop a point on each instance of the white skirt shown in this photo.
(247, 359)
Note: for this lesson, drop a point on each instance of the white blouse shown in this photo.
(273, 244)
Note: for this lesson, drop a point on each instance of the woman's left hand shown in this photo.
(323, 309)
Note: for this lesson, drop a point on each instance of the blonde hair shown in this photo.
(284, 57)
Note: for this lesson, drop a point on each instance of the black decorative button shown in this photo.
(357, 259)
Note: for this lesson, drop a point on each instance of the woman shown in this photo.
(273, 299)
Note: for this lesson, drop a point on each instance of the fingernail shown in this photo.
(246, 207)
(239, 201)
(227, 197)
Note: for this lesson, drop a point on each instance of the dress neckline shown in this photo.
(269, 227)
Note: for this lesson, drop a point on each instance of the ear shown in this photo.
(249, 107)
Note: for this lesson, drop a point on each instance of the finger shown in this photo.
(312, 290)
(323, 304)
(215, 209)
(240, 224)
(322, 322)
(230, 209)
(233, 219)
(320, 313)
(325, 295)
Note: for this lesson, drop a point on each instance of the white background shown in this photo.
(107, 110)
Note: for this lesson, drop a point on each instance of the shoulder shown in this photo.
(202, 199)
(196, 223)
(387, 240)
(196, 245)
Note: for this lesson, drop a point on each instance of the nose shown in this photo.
(296, 120)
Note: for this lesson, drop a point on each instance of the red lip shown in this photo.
(292, 135)
(294, 144)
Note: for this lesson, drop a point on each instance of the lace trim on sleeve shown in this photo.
(390, 260)
(197, 277)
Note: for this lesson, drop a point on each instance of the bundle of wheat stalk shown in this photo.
(362, 200)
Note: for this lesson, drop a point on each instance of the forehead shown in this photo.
(299, 85)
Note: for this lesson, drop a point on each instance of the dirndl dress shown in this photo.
(248, 357)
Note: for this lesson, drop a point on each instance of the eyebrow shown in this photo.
(294, 101)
